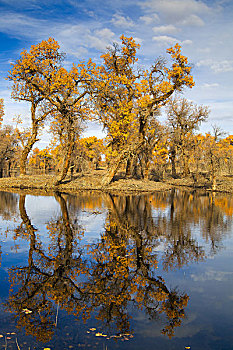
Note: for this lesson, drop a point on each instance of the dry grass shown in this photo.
(93, 181)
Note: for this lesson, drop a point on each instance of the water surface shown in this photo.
(116, 272)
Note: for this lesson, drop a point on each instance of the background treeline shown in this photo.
(126, 100)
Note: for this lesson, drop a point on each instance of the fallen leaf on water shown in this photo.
(26, 311)
(187, 347)
(115, 336)
(1, 336)
(92, 329)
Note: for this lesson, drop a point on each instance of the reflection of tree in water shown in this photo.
(47, 278)
(123, 268)
(216, 224)
(8, 208)
(106, 276)
(180, 248)
(87, 201)
(188, 211)
(8, 205)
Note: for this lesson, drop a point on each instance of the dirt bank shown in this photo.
(93, 182)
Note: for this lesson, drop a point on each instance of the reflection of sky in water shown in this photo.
(209, 283)
(92, 223)
(41, 209)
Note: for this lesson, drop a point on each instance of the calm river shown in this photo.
(112, 272)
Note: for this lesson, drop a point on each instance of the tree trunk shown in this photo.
(114, 168)
(162, 174)
(213, 182)
(186, 170)
(125, 154)
(213, 172)
(8, 169)
(135, 167)
(67, 158)
(23, 161)
(112, 172)
(24, 156)
(146, 170)
(173, 162)
(128, 172)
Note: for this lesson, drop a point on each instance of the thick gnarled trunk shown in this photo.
(67, 157)
(27, 149)
(173, 162)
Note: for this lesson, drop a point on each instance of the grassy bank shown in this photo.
(93, 181)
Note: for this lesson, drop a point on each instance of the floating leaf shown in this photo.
(26, 311)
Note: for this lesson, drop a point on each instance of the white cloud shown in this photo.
(208, 86)
(100, 38)
(222, 67)
(77, 39)
(175, 11)
(187, 42)
(167, 29)
(138, 40)
(204, 50)
(165, 40)
(149, 19)
(121, 21)
(218, 67)
(20, 25)
(192, 20)
(74, 38)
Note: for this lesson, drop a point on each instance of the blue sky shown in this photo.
(84, 28)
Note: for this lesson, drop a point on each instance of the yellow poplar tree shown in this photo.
(184, 118)
(39, 78)
(71, 104)
(30, 76)
(128, 99)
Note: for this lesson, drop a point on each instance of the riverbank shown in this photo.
(93, 181)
